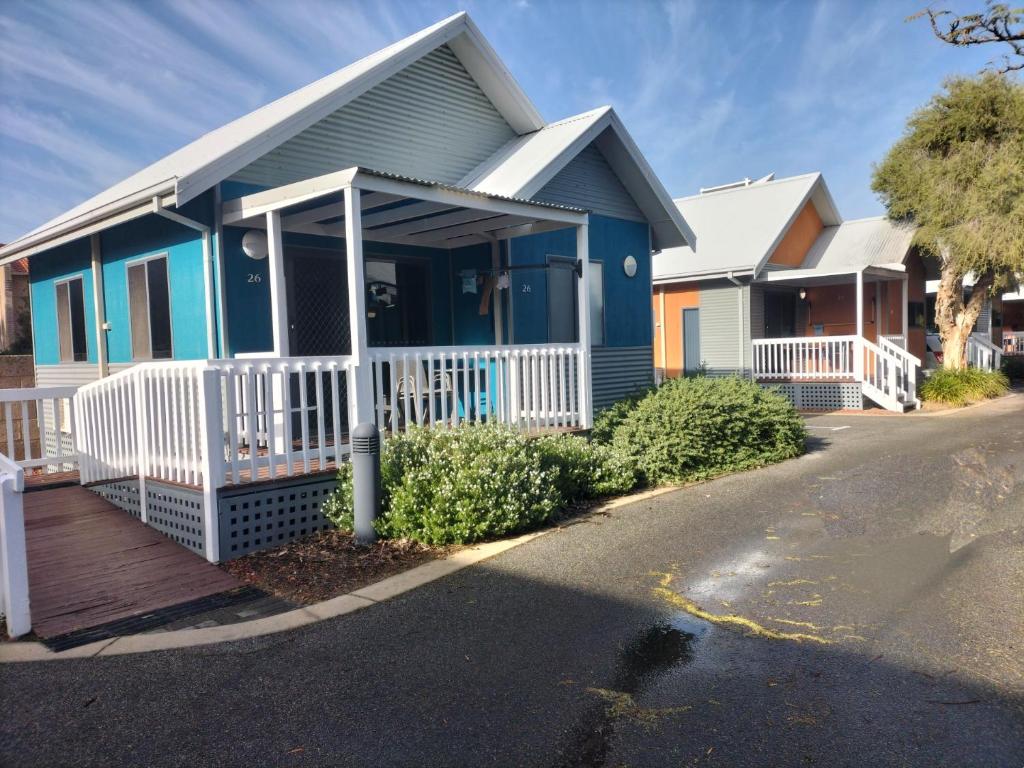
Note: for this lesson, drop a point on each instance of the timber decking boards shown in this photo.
(90, 563)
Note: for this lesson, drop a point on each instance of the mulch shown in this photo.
(328, 564)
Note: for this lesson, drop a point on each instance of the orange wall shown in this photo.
(799, 238)
(677, 298)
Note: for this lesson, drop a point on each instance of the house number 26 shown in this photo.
(526, 288)
(255, 278)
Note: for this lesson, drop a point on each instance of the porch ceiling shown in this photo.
(811, 277)
(400, 210)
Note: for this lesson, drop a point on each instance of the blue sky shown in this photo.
(712, 91)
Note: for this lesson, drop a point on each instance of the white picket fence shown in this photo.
(14, 601)
(38, 426)
(530, 387)
(816, 357)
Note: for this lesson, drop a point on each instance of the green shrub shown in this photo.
(586, 470)
(960, 387)
(608, 420)
(1013, 367)
(456, 486)
(694, 428)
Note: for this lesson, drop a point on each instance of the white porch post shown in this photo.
(360, 400)
(99, 304)
(583, 306)
(858, 345)
(278, 294)
(878, 310)
(905, 311)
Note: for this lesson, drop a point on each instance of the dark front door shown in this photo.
(779, 315)
(562, 313)
(317, 288)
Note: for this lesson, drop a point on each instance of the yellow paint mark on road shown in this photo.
(731, 620)
(790, 622)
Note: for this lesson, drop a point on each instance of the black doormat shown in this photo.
(134, 625)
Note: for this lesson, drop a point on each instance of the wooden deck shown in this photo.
(91, 563)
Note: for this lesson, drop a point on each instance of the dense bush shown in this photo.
(961, 387)
(695, 428)
(608, 420)
(586, 470)
(462, 485)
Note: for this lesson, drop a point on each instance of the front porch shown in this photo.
(830, 367)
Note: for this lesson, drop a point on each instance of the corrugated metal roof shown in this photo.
(522, 167)
(230, 147)
(738, 228)
(873, 242)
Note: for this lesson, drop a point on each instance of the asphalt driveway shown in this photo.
(861, 605)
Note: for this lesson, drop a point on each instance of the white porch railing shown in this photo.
(531, 386)
(815, 357)
(38, 427)
(14, 602)
(1013, 343)
(982, 353)
(890, 374)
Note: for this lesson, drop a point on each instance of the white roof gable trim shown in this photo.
(191, 170)
(527, 163)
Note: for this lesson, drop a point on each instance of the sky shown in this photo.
(711, 90)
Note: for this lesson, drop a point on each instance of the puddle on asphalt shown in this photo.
(658, 650)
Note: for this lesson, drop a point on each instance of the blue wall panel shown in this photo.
(470, 326)
(627, 300)
(71, 260)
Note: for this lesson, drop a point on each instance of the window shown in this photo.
(915, 314)
(562, 317)
(596, 303)
(149, 307)
(71, 321)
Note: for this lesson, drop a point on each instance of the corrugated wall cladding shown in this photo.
(619, 371)
(431, 120)
(587, 181)
(72, 374)
(720, 327)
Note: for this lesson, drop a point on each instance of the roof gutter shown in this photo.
(132, 207)
(159, 210)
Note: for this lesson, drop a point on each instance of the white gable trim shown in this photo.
(827, 212)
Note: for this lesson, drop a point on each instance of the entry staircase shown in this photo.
(886, 372)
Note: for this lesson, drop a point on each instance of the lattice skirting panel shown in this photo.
(822, 395)
(174, 511)
(270, 515)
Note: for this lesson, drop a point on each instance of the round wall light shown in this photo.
(254, 244)
(629, 266)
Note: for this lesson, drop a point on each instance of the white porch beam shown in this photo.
(360, 395)
(312, 216)
(507, 233)
(278, 292)
(403, 213)
(98, 303)
(583, 307)
(460, 199)
(440, 222)
(488, 229)
(290, 194)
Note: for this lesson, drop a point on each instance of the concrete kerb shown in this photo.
(14, 652)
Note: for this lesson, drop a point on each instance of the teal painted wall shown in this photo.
(627, 300)
(71, 260)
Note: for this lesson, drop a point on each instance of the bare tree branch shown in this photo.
(998, 24)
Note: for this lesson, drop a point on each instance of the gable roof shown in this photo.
(523, 166)
(191, 170)
(872, 242)
(738, 228)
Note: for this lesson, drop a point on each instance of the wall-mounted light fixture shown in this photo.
(803, 294)
(254, 244)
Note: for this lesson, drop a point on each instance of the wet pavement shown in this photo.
(861, 605)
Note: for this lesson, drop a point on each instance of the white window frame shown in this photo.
(170, 306)
(71, 329)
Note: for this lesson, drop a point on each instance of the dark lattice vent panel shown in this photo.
(822, 396)
(268, 516)
(123, 494)
(176, 512)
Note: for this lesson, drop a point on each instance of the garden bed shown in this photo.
(328, 564)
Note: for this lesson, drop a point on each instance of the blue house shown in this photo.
(405, 241)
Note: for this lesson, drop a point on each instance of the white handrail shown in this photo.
(982, 353)
(38, 427)
(891, 372)
(529, 386)
(811, 357)
(14, 599)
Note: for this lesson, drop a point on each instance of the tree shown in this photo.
(998, 24)
(957, 173)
